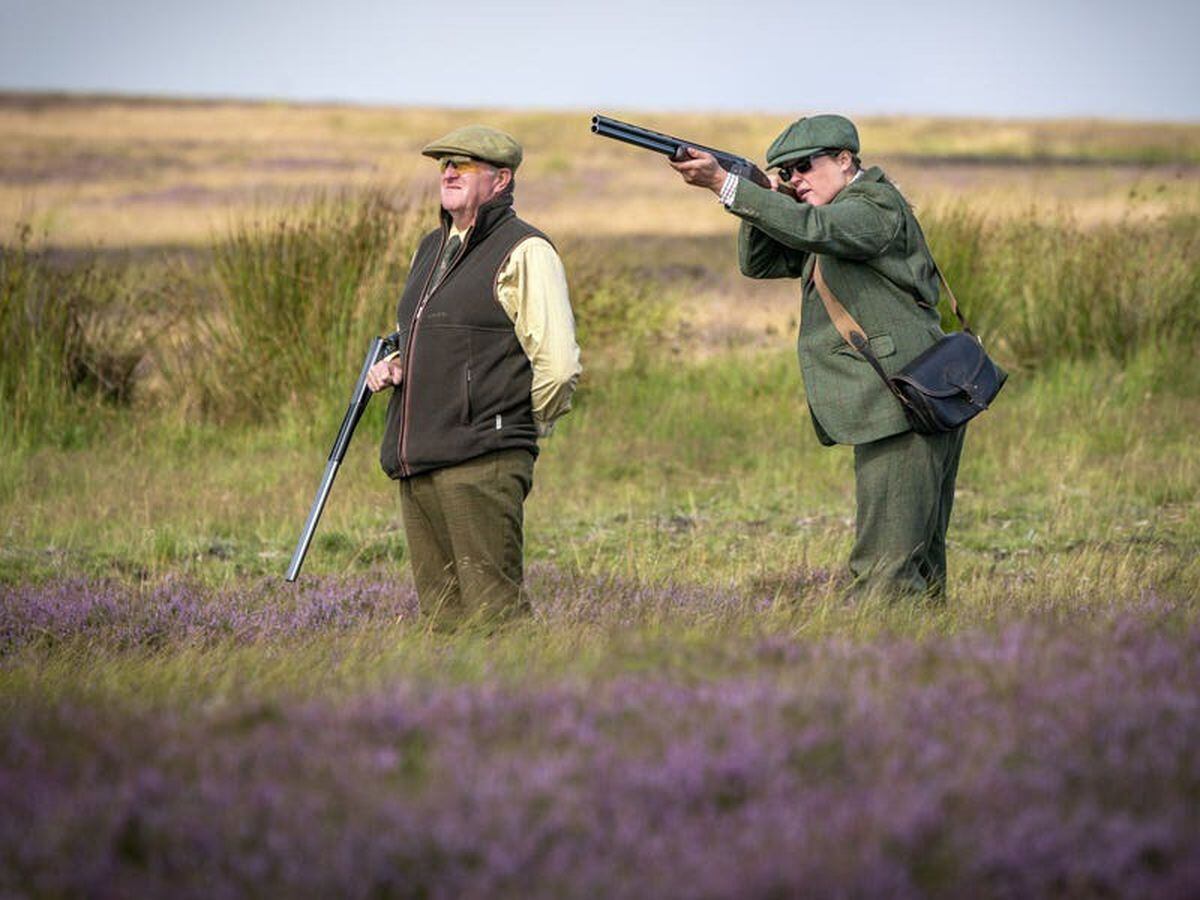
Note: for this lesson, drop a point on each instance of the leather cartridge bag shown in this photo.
(941, 389)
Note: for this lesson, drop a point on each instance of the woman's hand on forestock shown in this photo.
(701, 169)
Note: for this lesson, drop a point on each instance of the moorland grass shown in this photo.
(179, 721)
(276, 318)
(706, 472)
(296, 299)
(1044, 288)
(51, 365)
(159, 173)
(668, 470)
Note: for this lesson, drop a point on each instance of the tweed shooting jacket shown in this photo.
(875, 260)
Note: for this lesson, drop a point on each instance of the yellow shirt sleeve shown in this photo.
(532, 288)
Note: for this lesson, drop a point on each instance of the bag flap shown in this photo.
(957, 364)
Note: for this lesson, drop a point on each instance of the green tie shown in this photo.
(448, 254)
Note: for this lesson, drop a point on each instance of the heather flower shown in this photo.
(1037, 759)
(121, 615)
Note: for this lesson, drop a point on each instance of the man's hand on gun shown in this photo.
(385, 373)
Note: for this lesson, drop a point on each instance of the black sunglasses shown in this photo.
(802, 165)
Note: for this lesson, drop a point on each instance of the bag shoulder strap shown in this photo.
(962, 320)
(848, 327)
(845, 323)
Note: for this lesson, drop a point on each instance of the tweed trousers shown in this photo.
(465, 530)
(905, 492)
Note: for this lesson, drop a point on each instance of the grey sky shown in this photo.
(1019, 58)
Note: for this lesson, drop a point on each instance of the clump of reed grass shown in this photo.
(52, 362)
(297, 299)
(1044, 289)
(278, 316)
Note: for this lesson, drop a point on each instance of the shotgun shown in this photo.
(380, 347)
(673, 147)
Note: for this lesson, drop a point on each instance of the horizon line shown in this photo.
(214, 99)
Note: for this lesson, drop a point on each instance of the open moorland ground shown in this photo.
(694, 709)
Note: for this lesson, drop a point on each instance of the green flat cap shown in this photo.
(478, 142)
(806, 136)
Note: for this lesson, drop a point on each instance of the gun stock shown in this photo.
(359, 399)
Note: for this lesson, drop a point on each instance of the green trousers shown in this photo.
(905, 491)
(465, 530)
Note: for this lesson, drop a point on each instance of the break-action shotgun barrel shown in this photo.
(379, 348)
(673, 147)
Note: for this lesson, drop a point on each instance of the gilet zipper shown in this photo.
(409, 345)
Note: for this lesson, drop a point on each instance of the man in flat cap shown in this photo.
(829, 217)
(487, 362)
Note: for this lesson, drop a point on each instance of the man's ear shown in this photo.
(504, 179)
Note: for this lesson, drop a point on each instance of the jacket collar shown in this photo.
(491, 214)
(873, 175)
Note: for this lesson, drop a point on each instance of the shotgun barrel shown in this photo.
(673, 147)
(359, 399)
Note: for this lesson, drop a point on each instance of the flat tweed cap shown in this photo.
(806, 136)
(478, 142)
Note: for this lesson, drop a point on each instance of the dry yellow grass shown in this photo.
(116, 173)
